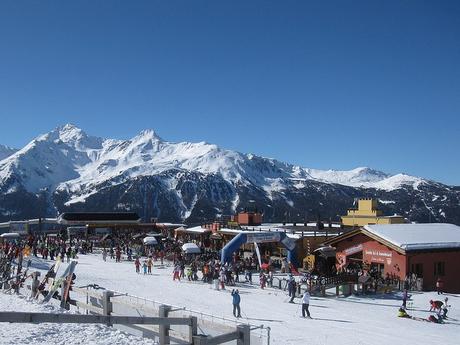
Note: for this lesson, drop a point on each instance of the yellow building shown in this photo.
(368, 213)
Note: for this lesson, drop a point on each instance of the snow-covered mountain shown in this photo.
(66, 169)
(6, 151)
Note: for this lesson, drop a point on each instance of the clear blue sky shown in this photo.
(324, 84)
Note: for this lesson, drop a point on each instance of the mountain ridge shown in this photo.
(69, 169)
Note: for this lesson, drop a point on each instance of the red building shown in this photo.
(248, 218)
(431, 251)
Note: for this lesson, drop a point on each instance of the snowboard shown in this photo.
(50, 274)
(57, 282)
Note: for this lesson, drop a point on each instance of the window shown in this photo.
(439, 268)
(417, 269)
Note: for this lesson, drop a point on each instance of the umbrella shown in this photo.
(150, 241)
(191, 248)
(264, 266)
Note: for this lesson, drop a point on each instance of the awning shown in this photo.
(326, 251)
(10, 235)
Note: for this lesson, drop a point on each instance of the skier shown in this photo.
(435, 305)
(236, 303)
(305, 304)
(444, 308)
(144, 266)
(104, 254)
(137, 263)
(402, 313)
(435, 319)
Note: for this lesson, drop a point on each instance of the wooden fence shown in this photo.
(99, 305)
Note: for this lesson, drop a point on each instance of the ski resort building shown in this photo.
(431, 251)
(369, 213)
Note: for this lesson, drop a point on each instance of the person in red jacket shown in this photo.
(435, 305)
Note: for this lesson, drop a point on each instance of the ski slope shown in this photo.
(350, 320)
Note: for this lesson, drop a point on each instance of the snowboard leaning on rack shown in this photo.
(59, 281)
(51, 274)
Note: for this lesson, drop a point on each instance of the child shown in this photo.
(144, 266)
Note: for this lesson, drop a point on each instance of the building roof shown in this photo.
(418, 236)
(94, 217)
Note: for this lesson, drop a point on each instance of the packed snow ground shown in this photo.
(54, 333)
(350, 320)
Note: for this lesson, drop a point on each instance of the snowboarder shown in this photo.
(305, 304)
(236, 303)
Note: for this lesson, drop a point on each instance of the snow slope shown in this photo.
(54, 333)
(348, 321)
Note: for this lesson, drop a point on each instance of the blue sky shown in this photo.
(324, 84)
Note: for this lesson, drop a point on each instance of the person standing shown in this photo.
(439, 286)
(236, 303)
(404, 299)
(305, 304)
(137, 263)
(291, 288)
(104, 254)
(149, 265)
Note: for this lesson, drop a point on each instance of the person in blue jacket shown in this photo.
(236, 303)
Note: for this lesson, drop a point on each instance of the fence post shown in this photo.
(106, 304)
(193, 330)
(62, 293)
(199, 340)
(164, 329)
(245, 335)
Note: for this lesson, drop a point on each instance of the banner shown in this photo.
(261, 237)
(258, 254)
